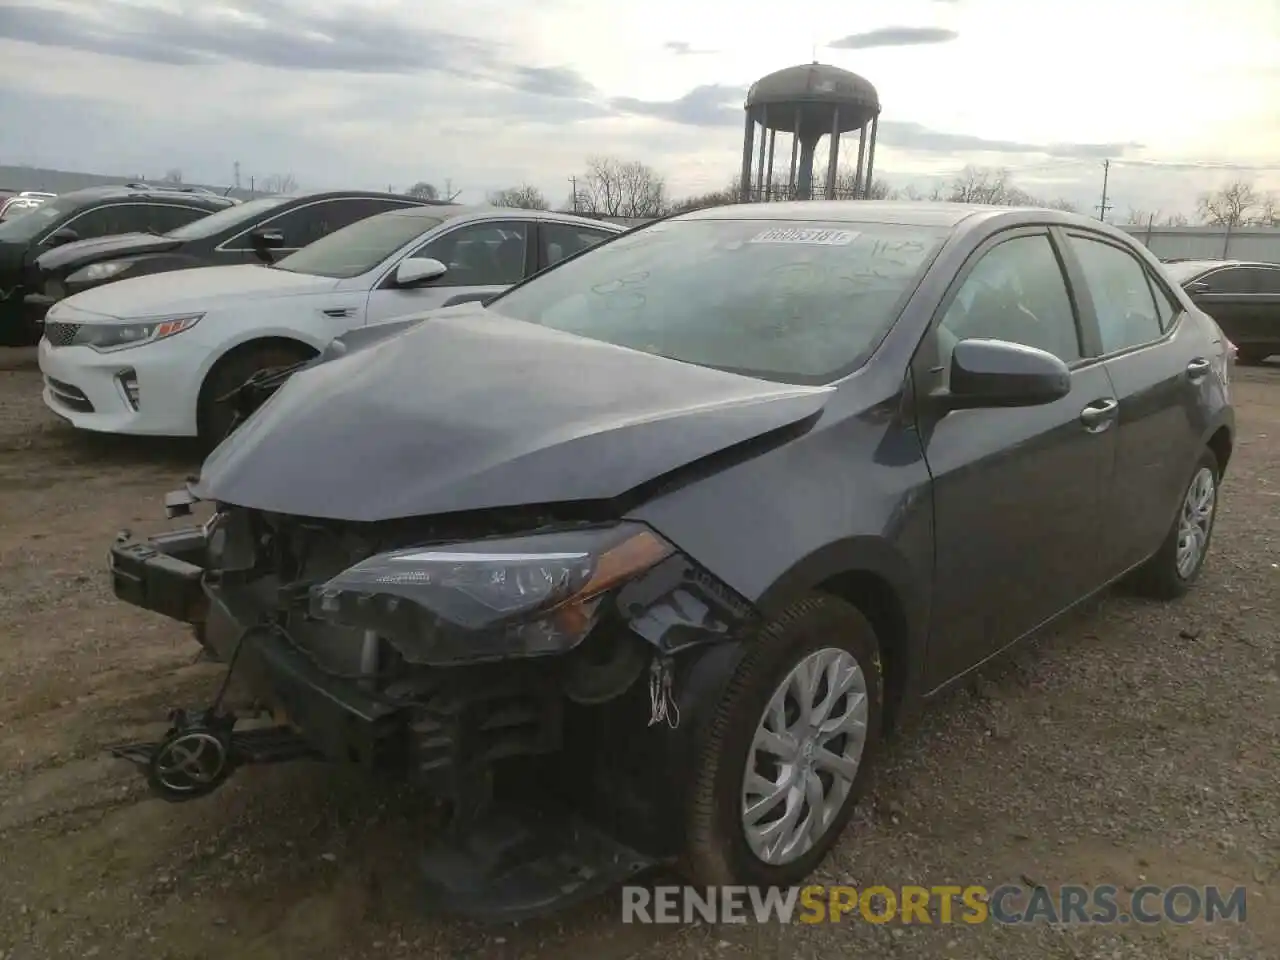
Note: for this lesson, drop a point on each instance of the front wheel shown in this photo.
(217, 420)
(788, 751)
(1177, 564)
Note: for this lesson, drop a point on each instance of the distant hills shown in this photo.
(65, 181)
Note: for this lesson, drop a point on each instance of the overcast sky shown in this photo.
(1181, 94)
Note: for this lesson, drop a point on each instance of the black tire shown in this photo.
(214, 419)
(1159, 578)
(717, 851)
(18, 328)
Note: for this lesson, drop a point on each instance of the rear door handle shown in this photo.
(1099, 415)
(1198, 369)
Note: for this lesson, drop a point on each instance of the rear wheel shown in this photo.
(789, 749)
(216, 418)
(1177, 564)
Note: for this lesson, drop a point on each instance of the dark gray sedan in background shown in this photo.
(639, 562)
(1242, 297)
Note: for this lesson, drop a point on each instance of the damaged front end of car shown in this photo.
(537, 670)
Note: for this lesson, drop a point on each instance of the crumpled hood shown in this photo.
(99, 249)
(198, 289)
(469, 410)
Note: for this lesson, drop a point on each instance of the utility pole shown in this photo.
(1103, 207)
(573, 182)
(236, 168)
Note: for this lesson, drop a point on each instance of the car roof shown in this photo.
(1201, 265)
(462, 211)
(129, 191)
(924, 213)
(908, 212)
(295, 195)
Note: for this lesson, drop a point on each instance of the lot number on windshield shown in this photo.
(829, 238)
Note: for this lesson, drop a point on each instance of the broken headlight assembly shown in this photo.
(490, 599)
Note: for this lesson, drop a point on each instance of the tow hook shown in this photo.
(202, 749)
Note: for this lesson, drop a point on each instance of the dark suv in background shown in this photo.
(83, 214)
(1243, 297)
(254, 230)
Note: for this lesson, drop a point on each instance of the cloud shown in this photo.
(683, 49)
(553, 82)
(913, 136)
(894, 37)
(710, 105)
(282, 36)
(286, 35)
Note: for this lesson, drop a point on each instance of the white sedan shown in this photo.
(153, 355)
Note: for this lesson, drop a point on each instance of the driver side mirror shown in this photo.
(416, 271)
(998, 373)
(62, 235)
(263, 241)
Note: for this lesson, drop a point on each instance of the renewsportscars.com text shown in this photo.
(1009, 904)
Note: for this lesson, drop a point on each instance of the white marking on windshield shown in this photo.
(826, 238)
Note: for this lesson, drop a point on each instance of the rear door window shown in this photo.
(560, 240)
(1121, 293)
(1232, 280)
(163, 217)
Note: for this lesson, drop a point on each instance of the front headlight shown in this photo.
(510, 597)
(105, 337)
(97, 272)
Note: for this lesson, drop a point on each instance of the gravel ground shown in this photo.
(1138, 743)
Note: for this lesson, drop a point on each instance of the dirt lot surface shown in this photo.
(1138, 744)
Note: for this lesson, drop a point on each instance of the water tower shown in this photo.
(808, 102)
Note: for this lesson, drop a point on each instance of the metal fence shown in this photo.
(1209, 243)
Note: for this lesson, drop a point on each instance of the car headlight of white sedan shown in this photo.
(106, 337)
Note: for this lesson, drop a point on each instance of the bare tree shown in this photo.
(701, 201)
(1233, 205)
(423, 191)
(1154, 218)
(1067, 206)
(995, 187)
(173, 176)
(1269, 212)
(525, 197)
(279, 183)
(988, 185)
(617, 188)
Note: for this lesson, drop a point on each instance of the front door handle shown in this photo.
(1099, 415)
(1198, 369)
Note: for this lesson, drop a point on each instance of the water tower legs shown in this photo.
(804, 176)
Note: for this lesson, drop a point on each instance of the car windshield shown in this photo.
(794, 301)
(35, 219)
(228, 218)
(358, 247)
(1187, 270)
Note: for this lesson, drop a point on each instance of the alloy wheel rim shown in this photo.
(1196, 521)
(804, 756)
